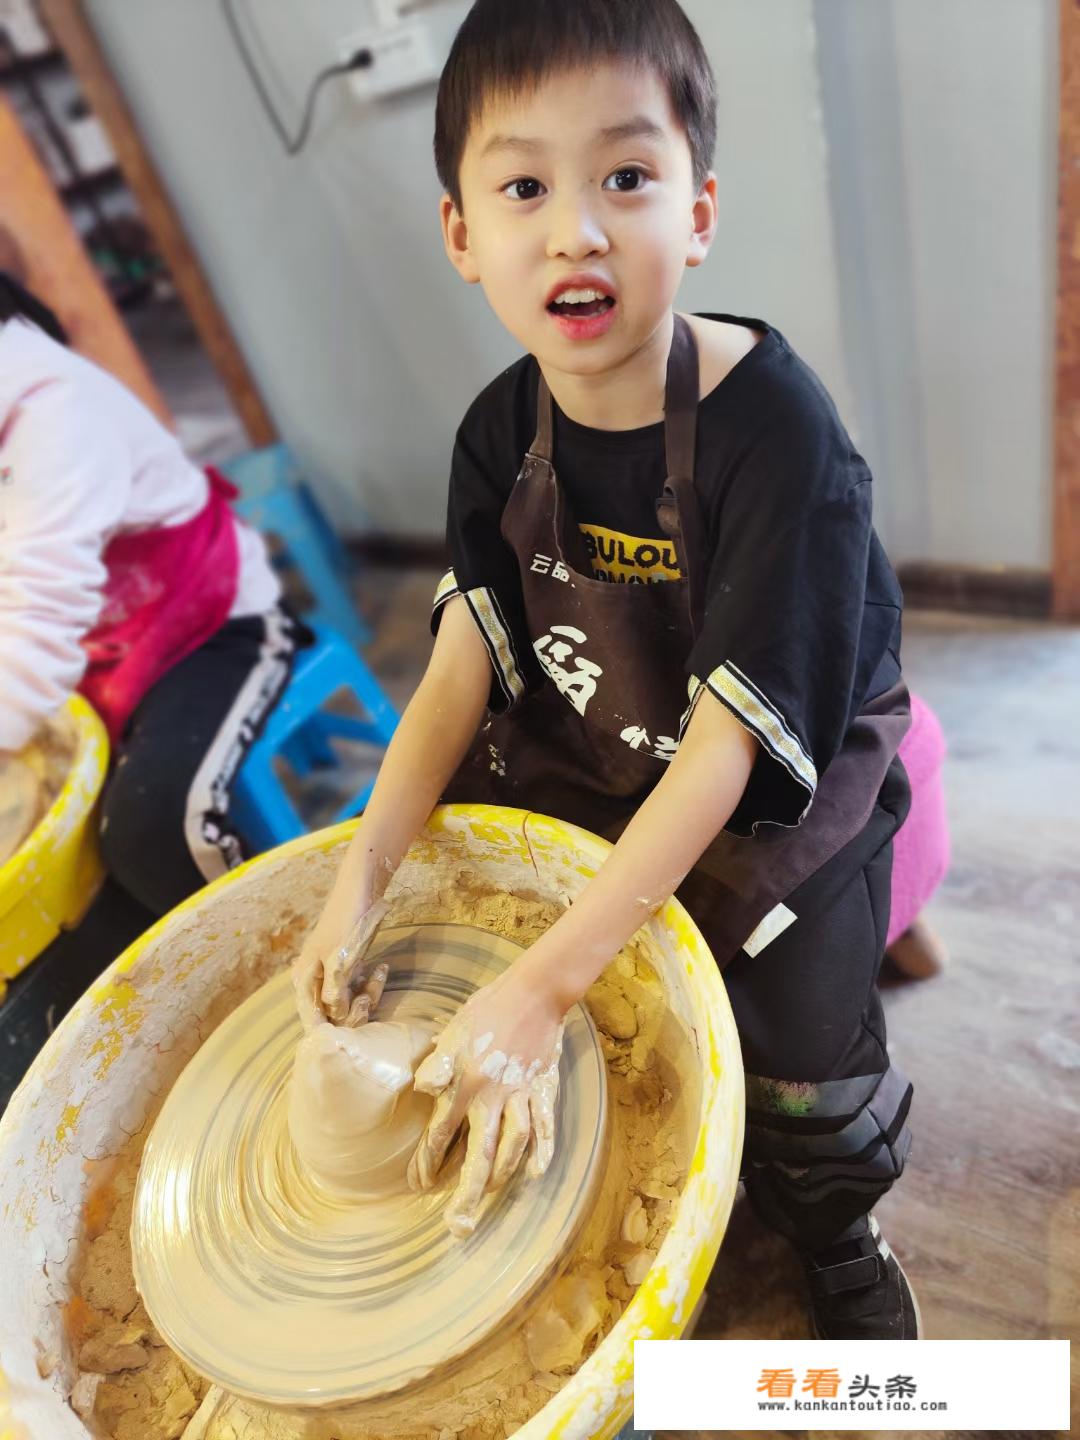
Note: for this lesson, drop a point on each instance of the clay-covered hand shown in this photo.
(495, 1067)
(331, 980)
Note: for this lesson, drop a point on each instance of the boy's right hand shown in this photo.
(329, 977)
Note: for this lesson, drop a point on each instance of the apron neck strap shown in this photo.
(681, 401)
(677, 507)
(680, 406)
(543, 446)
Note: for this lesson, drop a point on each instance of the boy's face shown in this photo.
(587, 179)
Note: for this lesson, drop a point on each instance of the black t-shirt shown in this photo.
(802, 614)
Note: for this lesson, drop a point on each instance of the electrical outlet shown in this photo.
(402, 58)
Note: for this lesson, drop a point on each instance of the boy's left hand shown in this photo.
(495, 1066)
(330, 980)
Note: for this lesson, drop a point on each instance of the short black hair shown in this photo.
(506, 46)
(17, 302)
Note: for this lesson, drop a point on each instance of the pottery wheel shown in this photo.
(283, 1292)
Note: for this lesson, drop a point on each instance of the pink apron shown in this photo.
(168, 590)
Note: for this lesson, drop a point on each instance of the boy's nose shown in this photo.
(575, 232)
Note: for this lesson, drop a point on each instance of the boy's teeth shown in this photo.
(578, 297)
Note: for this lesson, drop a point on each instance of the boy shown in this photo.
(574, 140)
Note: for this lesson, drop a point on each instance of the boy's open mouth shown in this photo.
(581, 304)
(581, 309)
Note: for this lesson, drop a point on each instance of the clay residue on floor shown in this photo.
(140, 1391)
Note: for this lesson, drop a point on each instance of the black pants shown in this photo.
(165, 824)
(165, 827)
(826, 1131)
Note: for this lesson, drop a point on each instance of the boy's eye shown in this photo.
(525, 189)
(627, 179)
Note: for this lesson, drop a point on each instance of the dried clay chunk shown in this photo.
(556, 1336)
(120, 1347)
(84, 1395)
(153, 1403)
(47, 1362)
(635, 1225)
(612, 1012)
(638, 1266)
(659, 1190)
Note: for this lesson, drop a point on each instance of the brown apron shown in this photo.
(592, 742)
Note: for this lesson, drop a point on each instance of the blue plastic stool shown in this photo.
(275, 500)
(299, 729)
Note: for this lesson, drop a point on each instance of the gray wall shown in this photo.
(330, 267)
(941, 117)
(886, 181)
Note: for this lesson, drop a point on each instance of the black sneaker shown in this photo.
(858, 1290)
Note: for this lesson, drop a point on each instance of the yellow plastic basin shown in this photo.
(48, 883)
(114, 1057)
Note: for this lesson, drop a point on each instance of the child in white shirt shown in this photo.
(124, 574)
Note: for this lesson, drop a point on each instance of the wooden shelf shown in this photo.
(69, 23)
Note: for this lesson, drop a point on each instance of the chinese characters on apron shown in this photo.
(592, 743)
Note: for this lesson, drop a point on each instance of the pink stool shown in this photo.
(921, 845)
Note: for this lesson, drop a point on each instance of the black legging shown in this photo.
(211, 703)
(165, 827)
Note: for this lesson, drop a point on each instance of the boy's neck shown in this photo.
(625, 397)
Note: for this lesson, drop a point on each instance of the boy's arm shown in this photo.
(496, 1065)
(665, 839)
(429, 744)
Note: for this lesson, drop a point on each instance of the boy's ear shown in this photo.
(456, 240)
(703, 220)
